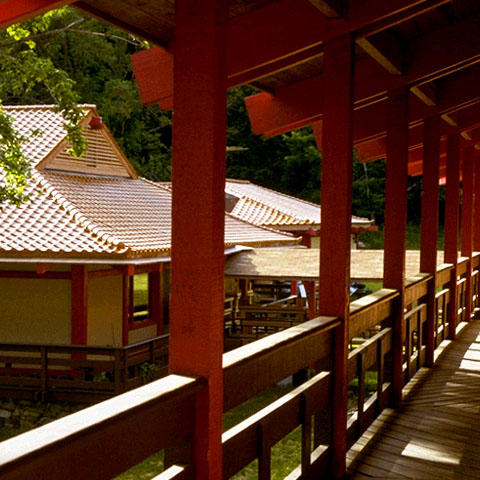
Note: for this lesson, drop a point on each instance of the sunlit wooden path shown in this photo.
(437, 433)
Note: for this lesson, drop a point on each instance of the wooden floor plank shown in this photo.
(436, 435)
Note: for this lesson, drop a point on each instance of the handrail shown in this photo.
(158, 414)
(416, 287)
(262, 363)
(370, 310)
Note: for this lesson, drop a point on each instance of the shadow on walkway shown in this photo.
(436, 435)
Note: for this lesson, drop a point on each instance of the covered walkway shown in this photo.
(437, 433)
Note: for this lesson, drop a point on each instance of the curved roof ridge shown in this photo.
(263, 227)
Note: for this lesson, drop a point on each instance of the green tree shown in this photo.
(22, 72)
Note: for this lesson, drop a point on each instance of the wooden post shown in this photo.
(429, 228)
(312, 301)
(156, 303)
(452, 199)
(334, 290)
(125, 307)
(468, 175)
(198, 199)
(476, 213)
(396, 185)
(79, 293)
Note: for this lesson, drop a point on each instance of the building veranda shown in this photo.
(397, 79)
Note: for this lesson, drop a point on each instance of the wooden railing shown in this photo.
(165, 408)
(79, 373)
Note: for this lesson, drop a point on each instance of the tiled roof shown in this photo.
(29, 119)
(77, 215)
(262, 206)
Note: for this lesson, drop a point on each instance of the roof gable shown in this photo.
(102, 157)
(46, 146)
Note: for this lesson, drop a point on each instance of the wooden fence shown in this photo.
(165, 408)
(79, 373)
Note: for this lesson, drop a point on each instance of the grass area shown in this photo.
(374, 240)
(140, 289)
(285, 455)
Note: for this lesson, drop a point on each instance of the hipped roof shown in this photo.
(72, 215)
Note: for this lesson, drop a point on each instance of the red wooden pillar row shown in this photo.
(79, 296)
(198, 180)
(334, 293)
(396, 185)
(476, 212)
(429, 228)
(468, 175)
(452, 199)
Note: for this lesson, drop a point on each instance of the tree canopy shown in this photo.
(66, 58)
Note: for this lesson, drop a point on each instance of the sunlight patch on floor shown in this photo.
(423, 453)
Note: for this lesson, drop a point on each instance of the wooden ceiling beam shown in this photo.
(330, 8)
(372, 82)
(427, 93)
(386, 50)
(275, 37)
(467, 119)
(13, 11)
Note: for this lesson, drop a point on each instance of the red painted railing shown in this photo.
(165, 409)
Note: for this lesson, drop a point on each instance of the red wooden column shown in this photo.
(79, 295)
(429, 228)
(452, 199)
(476, 210)
(468, 175)
(198, 180)
(334, 289)
(396, 185)
(156, 300)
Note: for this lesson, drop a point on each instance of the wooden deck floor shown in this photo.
(437, 433)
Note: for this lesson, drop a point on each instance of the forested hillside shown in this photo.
(66, 57)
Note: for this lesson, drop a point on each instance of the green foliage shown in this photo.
(23, 72)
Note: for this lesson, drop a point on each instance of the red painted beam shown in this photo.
(334, 282)
(429, 225)
(371, 81)
(15, 11)
(396, 188)
(452, 215)
(197, 282)
(278, 35)
(465, 119)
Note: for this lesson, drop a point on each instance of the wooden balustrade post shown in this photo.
(198, 199)
(334, 291)
(429, 227)
(452, 199)
(44, 373)
(396, 187)
(468, 177)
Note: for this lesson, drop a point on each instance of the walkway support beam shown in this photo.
(452, 199)
(468, 176)
(429, 227)
(334, 295)
(198, 181)
(396, 186)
